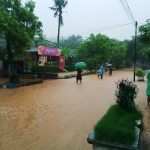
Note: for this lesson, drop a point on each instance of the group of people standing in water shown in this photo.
(100, 72)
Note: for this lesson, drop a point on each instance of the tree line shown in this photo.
(19, 26)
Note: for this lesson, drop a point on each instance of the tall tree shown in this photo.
(144, 37)
(59, 5)
(96, 51)
(68, 55)
(144, 32)
(18, 26)
(39, 41)
(73, 41)
(119, 54)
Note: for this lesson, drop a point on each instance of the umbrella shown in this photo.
(80, 65)
(108, 65)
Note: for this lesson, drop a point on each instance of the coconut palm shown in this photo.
(59, 5)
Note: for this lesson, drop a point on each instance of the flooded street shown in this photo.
(59, 114)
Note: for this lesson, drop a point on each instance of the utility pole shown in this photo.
(135, 50)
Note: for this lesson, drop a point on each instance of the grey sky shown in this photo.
(84, 17)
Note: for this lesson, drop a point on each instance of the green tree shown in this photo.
(59, 5)
(2, 53)
(140, 49)
(41, 41)
(119, 54)
(95, 51)
(144, 37)
(18, 26)
(73, 41)
(144, 32)
(68, 56)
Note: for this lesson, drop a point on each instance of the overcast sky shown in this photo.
(84, 17)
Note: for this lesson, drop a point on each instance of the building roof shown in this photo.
(34, 49)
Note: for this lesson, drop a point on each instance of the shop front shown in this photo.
(49, 56)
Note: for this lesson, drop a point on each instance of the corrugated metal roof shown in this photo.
(35, 49)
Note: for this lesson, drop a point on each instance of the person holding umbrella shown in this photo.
(79, 75)
(110, 71)
(79, 65)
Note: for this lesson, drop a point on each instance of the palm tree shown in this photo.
(59, 5)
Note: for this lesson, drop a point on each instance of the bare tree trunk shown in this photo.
(58, 31)
(9, 55)
(12, 76)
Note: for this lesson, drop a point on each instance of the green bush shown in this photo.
(143, 67)
(14, 79)
(125, 93)
(36, 68)
(28, 65)
(140, 72)
(118, 125)
(70, 68)
(52, 69)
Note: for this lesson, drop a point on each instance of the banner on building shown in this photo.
(61, 62)
(49, 51)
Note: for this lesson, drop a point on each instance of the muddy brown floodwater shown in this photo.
(59, 114)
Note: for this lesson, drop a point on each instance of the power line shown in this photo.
(91, 31)
(102, 29)
(127, 10)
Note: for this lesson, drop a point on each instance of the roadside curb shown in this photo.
(23, 83)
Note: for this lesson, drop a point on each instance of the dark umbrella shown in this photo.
(109, 65)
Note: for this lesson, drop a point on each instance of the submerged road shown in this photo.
(59, 114)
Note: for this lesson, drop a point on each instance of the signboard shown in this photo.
(49, 51)
(61, 62)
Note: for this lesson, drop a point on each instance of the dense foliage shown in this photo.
(18, 27)
(140, 73)
(72, 41)
(45, 69)
(118, 57)
(99, 49)
(125, 93)
(144, 37)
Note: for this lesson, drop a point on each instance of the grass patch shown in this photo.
(118, 125)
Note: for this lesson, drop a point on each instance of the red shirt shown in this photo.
(79, 72)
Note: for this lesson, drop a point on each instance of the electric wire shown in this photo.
(124, 7)
(102, 29)
(90, 31)
(127, 10)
